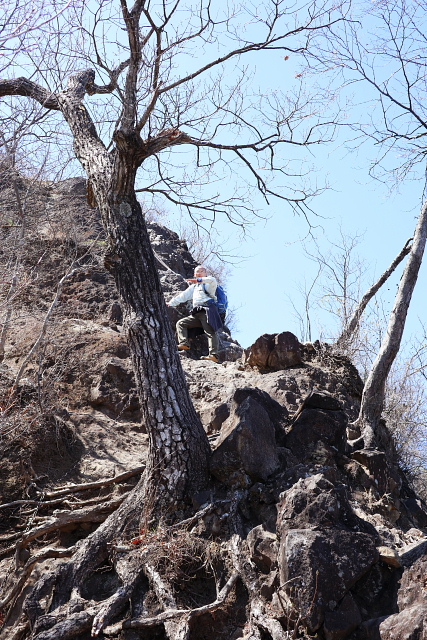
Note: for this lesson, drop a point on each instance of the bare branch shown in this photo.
(29, 89)
(354, 321)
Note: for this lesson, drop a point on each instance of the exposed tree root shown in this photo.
(129, 574)
(10, 536)
(97, 514)
(36, 503)
(60, 606)
(68, 628)
(73, 488)
(20, 631)
(170, 614)
(258, 618)
(197, 516)
(160, 587)
(24, 573)
(41, 504)
(66, 580)
(8, 550)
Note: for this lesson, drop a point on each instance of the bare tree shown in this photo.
(155, 100)
(375, 386)
(21, 25)
(335, 289)
(388, 58)
(161, 84)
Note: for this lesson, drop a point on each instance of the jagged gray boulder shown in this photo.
(343, 620)
(263, 548)
(324, 550)
(313, 425)
(411, 621)
(318, 568)
(386, 479)
(246, 446)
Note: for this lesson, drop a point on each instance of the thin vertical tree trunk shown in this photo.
(374, 391)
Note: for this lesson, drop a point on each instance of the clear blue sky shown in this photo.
(260, 286)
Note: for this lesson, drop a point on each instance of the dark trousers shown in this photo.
(198, 320)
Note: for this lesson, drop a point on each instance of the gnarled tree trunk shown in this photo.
(179, 449)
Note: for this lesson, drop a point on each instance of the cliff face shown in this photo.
(335, 538)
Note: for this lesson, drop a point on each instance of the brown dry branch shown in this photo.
(197, 516)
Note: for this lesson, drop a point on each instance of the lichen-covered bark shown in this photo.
(178, 453)
(178, 458)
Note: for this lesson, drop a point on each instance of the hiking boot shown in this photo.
(211, 357)
(183, 347)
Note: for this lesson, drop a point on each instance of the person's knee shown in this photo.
(182, 323)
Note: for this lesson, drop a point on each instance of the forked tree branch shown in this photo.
(353, 324)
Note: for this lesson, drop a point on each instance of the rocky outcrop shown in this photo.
(335, 537)
(246, 447)
(274, 352)
(324, 551)
(410, 623)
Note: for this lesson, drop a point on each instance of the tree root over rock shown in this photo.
(147, 572)
(62, 520)
(184, 615)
